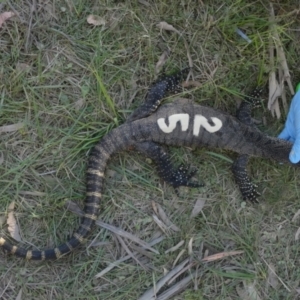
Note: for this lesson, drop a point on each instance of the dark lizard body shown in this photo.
(181, 123)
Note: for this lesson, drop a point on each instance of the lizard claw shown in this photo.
(249, 192)
(182, 177)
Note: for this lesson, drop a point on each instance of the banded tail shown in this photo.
(98, 159)
(101, 153)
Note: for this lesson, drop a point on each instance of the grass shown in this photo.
(70, 83)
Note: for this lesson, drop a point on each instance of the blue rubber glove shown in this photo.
(291, 131)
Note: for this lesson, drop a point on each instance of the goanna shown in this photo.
(181, 123)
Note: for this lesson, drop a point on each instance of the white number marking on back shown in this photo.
(182, 118)
(200, 120)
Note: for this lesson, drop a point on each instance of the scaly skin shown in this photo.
(247, 188)
(196, 126)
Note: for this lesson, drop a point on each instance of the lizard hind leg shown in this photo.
(175, 177)
(247, 188)
(250, 102)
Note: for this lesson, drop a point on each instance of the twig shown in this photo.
(177, 288)
(126, 235)
(116, 263)
(151, 294)
(32, 10)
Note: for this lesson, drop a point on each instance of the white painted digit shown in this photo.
(182, 118)
(202, 121)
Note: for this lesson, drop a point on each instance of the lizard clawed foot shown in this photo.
(182, 177)
(247, 188)
(248, 191)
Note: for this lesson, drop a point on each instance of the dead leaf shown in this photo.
(174, 248)
(117, 262)
(197, 207)
(241, 292)
(74, 208)
(140, 250)
(79, 104)
(249, 292)
(145, 3)
(11, 128)
(153, 291)
(2, 220)
(22, 67)
(165, 26)
(161, 213)
(12, 223)
(283, 62)
(221, 255)
(276, 88)
(178, 257)
(49, 10)
(19, 296)
(161, 61)
(272, 278)
(5, 16)
(125, 234)
(34, 193)
(129, 252)
(96, 20)
(296, 215)
(191, 83)
(190, 246)
(154, 207)
(283, 94)
(160, 224)
(297, 234)
(275, 91)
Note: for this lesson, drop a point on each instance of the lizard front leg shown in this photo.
(247, 188)
(156, 93)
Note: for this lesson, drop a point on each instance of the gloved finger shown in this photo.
(297, 123)
(295, 102)
(284, 134)
(295, 153)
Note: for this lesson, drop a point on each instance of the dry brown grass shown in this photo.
(70, 83)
